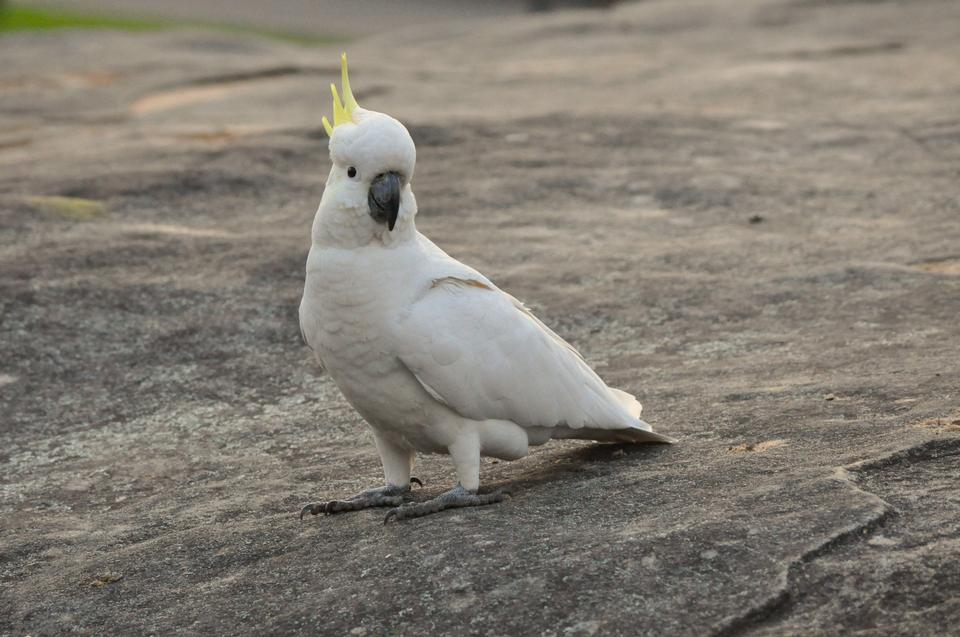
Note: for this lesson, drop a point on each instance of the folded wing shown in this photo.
(484, 355)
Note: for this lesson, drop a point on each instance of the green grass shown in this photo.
(20, 18)
(71, 208)
(17, 18)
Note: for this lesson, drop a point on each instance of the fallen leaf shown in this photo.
(107, 578)
(758, 447)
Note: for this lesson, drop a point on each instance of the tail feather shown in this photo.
(628, 402)
(647, 434)
(642, 433)
(637, 432)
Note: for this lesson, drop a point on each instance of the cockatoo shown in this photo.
(433, 355)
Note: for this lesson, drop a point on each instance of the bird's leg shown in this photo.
(397, 463)
(465, 452)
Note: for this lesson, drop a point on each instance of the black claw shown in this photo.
(390, 514)
(416, 481)
(312, 509)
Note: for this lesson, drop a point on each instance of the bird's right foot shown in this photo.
(387, 496)
(455, 498)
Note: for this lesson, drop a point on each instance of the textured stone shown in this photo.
(744, 212)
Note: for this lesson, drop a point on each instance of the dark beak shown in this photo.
(384, 198)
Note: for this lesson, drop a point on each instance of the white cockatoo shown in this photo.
(433, 355)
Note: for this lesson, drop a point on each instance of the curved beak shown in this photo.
(384, 198)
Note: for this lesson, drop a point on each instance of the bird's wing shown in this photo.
(483, 354)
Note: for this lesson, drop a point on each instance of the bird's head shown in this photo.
(368, 194)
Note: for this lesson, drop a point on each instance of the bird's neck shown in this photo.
(337, 226)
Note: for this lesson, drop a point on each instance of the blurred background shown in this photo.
(745, 212)
(301, 19)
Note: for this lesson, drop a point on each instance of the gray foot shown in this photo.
(388, 496)
(455, 498)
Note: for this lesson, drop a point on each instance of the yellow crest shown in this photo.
(342, 109)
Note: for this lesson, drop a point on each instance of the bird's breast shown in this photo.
(348, 302)
(342, 321)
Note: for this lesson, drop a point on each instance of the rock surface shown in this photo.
(747, 213)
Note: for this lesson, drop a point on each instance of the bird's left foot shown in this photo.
(455, 498)
(388, 496)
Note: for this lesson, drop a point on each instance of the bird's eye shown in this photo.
(351, 172)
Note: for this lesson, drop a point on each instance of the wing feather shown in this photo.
(483, 354)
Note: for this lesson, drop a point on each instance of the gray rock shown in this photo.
(744, 212)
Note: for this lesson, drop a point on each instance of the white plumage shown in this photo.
(481, 353)
(430, 352)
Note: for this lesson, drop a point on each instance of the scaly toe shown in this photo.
(313, 509)
(497, 496)
(386, 496)
(336, 506)
(455, 498)
(341, 506)
(392, 513)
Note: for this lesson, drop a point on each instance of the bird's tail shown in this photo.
(628, 402)
(643, 431)
(639, 434)
(646, 434)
